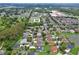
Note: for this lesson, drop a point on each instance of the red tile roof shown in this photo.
(53, 49)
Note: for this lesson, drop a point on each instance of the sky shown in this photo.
(39, 1)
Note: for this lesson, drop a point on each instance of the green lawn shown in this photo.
(67, 34)
(46, 50)
(74, 51)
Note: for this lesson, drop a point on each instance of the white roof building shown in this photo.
(34, 19)
(57, 13)
(67, 50)
(24, 41)
(32, 47)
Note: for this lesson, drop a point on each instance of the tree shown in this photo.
(63, 46)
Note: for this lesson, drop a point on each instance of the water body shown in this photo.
(75, 38)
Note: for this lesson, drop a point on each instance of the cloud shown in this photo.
(39, 1)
